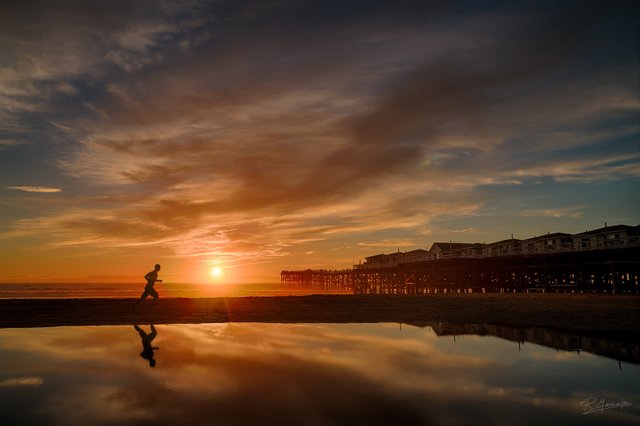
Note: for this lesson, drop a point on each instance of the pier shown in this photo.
(590, 271)
(324, 280)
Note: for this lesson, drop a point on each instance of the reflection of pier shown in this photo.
(557, 339)
(611, 271)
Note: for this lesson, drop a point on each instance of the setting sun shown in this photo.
(216, 271)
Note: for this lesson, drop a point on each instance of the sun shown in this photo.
(216, 271)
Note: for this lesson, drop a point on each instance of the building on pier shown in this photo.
(602, 238)
(587, 271)
(550, 243)
(449, 250)
(510, 247)
(602, 260)
(394, 259)
(609, 236)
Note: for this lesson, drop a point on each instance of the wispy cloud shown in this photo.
(389, 243)
(21, 382)
(43, 189)
(557, 213)
(8, 143)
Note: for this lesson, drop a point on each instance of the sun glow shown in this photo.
(216, 271)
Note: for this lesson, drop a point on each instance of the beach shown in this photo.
(613, 315)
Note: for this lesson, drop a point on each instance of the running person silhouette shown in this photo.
(147, 349)
(152, 278)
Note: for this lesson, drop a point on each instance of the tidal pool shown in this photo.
(313, 374)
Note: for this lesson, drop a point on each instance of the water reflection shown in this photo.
(306, 374)
(615, 348)
(147, 349)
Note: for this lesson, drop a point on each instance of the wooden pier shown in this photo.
(323, 280)
(595, 271)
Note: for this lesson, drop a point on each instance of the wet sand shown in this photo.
(599, 314)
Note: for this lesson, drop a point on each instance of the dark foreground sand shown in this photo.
(597, 314)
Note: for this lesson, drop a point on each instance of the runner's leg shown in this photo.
(142, 297)
(154, 294)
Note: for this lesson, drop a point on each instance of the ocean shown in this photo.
(134, 290)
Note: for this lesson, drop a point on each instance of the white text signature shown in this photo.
(599, 405)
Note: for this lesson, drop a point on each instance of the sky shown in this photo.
(258, 136)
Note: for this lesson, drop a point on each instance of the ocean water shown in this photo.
(305, 374)
(133, 290)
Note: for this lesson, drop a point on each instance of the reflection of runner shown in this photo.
(147, 349)
(152, 278)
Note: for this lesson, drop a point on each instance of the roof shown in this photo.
(476, 245)
(508, 241)
(417, 251)
(450, 246)
(546, 237)
(375, 256)
(614, 228)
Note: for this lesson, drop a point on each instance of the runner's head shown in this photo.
(157, 267)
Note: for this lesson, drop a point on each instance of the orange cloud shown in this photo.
(43, 189)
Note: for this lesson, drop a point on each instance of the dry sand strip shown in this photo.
(601, 314)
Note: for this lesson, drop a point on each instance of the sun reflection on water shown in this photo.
(298, 374)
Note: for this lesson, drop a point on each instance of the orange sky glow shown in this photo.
(259, 137)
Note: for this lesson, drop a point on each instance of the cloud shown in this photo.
(247, 128)
(7, 143)
(47, 47)
(389, 243)
(42, 189)
(21, 382)
(557, 213)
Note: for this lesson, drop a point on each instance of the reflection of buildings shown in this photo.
(557, 339)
